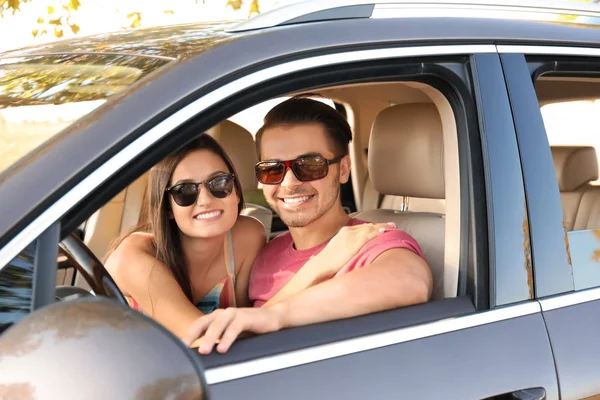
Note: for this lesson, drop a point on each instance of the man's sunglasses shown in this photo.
(306, 169)
(185, 194)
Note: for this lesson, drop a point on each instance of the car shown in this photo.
(446, 101)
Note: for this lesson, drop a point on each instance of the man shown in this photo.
(303, 146)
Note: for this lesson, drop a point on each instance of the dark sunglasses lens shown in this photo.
(310, 168)
(270, 173)
(221, 186)
(185, 194)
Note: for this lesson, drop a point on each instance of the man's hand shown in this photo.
(223, 326)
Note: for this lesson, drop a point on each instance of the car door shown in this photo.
(567, 268)
(468, 346)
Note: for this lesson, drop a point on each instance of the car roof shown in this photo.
(187, 40)
(318, 10)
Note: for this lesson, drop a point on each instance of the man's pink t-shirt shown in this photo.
(279, 260)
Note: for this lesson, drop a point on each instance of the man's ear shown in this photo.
(345, 166)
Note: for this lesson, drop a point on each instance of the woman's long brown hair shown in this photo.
(154, 215)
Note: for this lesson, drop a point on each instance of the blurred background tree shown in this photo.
(237, 5)
(56, 17)
(571, 18)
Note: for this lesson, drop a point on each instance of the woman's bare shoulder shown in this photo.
(248, 228)
(130, 249)
(249, 238)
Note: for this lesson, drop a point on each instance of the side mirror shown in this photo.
(95, 347)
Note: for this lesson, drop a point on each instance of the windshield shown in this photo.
(41, 95)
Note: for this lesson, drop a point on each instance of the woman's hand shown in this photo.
(345, 245)
(223, 326)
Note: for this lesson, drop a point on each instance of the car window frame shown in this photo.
(510, 271)
(553, 272)
(45, 267)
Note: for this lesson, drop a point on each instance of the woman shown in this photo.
(192, 252)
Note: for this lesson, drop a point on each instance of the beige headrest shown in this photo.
(575, 166)
(239, 146)
(406, 151)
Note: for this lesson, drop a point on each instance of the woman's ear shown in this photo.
(345, 166)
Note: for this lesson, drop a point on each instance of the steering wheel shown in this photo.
(92, 270)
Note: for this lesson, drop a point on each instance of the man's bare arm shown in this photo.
(396, 278)
(323, 266)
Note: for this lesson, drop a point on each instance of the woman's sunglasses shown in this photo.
(306, 169)
(185, 194)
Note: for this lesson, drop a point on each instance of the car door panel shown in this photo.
(575, 336)
(472, 363)
(572, 318)
(289, 340)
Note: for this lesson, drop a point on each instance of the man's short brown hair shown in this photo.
(303, 110)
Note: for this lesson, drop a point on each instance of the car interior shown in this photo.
(405, 169)
(575, 154)
(576, 169)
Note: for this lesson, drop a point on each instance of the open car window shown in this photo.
(362, 103)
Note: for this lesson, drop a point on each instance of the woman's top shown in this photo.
(222, 295)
